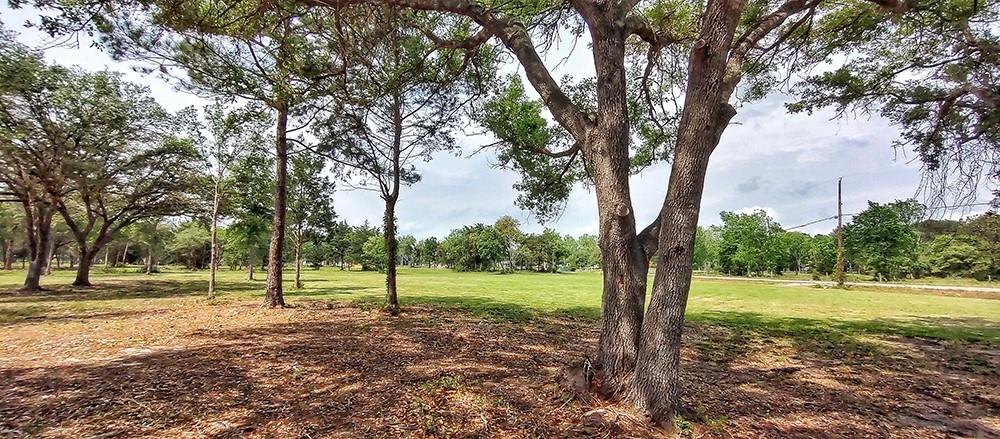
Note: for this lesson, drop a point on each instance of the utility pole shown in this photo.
(840, 235)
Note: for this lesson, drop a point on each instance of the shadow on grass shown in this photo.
(448, 376)
(126, 289)
(328, 378)
(837, 331)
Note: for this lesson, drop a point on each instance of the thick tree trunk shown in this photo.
(274, 296)
(83, 269)
(38, 222)
(624, 264)
(705, 116)
(214, 263)
(391, 298)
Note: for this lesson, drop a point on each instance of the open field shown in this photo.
(479, 355)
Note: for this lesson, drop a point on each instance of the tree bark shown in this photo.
(705, 116)
(625, 265)
(250, 263)
(214, 263)
(8, 254)
(298, 259)
(38, 225)
(391, 297)
(83, 268)
(274, 296)
(49, 251)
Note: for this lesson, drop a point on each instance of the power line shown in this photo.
(856, 214)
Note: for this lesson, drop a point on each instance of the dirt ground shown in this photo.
(189, 369)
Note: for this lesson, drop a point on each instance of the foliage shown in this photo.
(931, 71)
(881, 239)
(191, 244)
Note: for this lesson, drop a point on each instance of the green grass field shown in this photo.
(761, 308)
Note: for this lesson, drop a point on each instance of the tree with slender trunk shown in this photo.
(249, 207)
(310, 205)
(400, 104)
(226, 137)
(264, 57)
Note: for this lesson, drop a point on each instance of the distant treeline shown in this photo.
(886, 241)
(501, 246)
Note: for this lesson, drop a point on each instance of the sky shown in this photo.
(785, 164)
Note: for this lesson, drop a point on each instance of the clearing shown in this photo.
(480, 355)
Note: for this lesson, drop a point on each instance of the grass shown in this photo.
(854, 277)
(479, 353)
(753, 307)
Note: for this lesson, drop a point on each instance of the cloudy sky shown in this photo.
(785, 164)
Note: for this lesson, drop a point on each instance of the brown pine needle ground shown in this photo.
(183, 367)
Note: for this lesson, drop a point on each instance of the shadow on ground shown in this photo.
(326, 370)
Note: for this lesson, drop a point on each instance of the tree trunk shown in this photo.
(705, 116)
(274, 296)
(125, 254)
(49, 251)
(214, 254)
(8, 254)
(83, 269)
(250, 263)
(298, 259)
(624, 262)
(38, 223)
(389, 234)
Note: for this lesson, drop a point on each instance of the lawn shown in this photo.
(479, 355)
(516, 297)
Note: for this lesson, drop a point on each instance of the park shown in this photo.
(482, 354)
(512, 219)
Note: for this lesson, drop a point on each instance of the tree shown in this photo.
(749, 242)
(191, 244)
(10, 224)
(948, 255)
(356, 240)
(127, 164)
(583, 252)
(310, 204)
(932, 72)
(265, 55)
(229, 134)
(541, 252)
(510, 229)
(476, 247)
(400, 106)
(429, 251)
(882, 240)
(153, 233)
(250, 207)
(706, 248)
(101, 149)
(28, 88)
(705, 50)
(407, 250)
(797, 247)
(984, 232)
(823, 254)
(373, 253)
